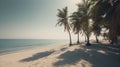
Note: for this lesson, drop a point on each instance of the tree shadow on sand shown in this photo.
(37, 56)
(96, 56)
(63, 49)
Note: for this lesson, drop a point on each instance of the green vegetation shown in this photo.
(91, 17)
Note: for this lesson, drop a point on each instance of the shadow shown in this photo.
(63, 49)
(69, 57)
(108, 47)
(97, 57)
(37, 56)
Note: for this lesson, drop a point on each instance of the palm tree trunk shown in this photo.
(70, 38)
(88, 41)
(97, 41)
(85, 39)
(78, 42)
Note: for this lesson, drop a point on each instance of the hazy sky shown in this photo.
(32, 18)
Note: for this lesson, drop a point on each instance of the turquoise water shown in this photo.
(11, 45)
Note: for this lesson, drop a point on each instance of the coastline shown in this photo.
(62, 55)
(29, 48)
(17, 56)
(14, 45)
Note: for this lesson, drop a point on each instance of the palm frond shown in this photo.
(63, 18)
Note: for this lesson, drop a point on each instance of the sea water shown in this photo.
(11, 45)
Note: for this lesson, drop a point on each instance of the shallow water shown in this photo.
(10, 45)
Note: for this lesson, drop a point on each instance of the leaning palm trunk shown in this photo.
(63, 21)
(88, 41)
(88, 36)
(78, 42)
(85, 39)
(70, 38)
(114, 29)
(97, 41)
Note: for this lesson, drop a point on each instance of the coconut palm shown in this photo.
(97, 31)
(76, 24)
(109, 11)
(114, 19)
(84, 9)
(63, 21)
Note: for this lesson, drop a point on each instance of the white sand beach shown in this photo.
(63, 56)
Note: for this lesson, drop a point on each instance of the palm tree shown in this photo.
(97, 15)
(114, 21)
(96, 30)
(76, 24)
(63, 21)
(109, 11)
(84, 9)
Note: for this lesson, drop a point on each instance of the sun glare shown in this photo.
(74, 2)
(72, 5)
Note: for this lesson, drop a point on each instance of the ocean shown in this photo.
(12, 45)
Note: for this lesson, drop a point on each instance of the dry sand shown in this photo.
(63, 56)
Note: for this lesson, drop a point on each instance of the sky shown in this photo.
(33, 19)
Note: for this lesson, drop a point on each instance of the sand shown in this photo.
(63, 56)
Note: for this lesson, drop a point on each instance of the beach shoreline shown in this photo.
(61, 56)
(30, 48)
(15, 45)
